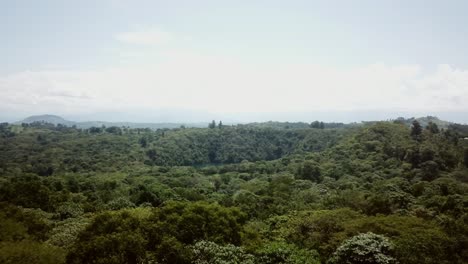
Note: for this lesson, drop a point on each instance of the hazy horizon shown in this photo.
(187, 61)
(168, 116)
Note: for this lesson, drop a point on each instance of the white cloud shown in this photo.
(216, 84)
(152, 36)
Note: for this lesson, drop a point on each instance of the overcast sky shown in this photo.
(243, 60)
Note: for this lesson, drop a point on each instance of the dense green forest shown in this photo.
(377, 192)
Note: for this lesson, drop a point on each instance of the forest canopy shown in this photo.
(376, 192)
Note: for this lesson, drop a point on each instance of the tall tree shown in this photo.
(212, 124)
(416, 129)
(322, 125)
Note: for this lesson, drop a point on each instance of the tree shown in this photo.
(367, 248)
(69, 210)
(281, 252)
(95, 130)
(66, 232)
(315, 124)
(151, 153)
(220, 124)
(310, 170)
(114, 130)
(206, 252)
(416, 241)
(433, 128)
(112, 238)
(119, 203)
(190, 222)
(28, 191)
(143, 142)
(429, 170)
(316, 229)
(416, 130)
(212, 124)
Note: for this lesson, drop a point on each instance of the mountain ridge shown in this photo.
(55, 119)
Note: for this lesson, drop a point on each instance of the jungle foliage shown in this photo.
(380, 192)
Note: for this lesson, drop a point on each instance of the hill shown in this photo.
(424, 121)
(54, 119)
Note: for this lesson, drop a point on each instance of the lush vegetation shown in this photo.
(381, 192)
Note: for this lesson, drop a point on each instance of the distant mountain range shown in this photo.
(53, 119)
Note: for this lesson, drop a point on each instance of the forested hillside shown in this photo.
(382, 192)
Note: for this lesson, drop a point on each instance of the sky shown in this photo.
(192, 61)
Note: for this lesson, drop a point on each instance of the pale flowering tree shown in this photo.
(367, 248)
